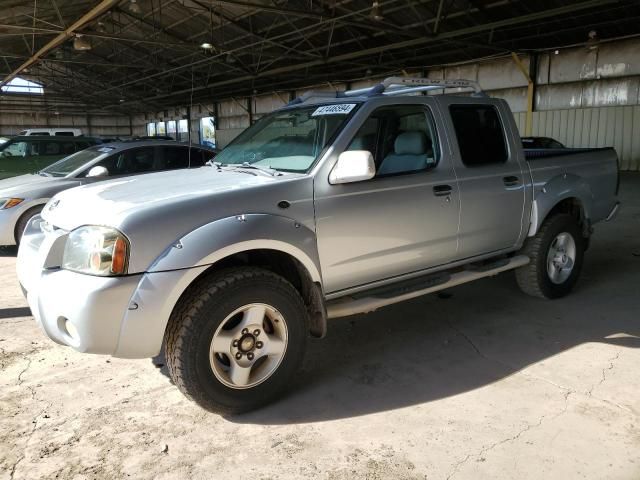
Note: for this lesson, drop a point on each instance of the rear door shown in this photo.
(490, 176)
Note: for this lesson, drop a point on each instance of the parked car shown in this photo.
(325, 208)
(3, 140)
(57, 132)
(22, 198)
(540, 142)
(32, 153)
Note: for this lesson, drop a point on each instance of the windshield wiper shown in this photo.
(269, 171)
(42, 173)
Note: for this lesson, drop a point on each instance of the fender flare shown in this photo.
(559, 188)
(221, 238)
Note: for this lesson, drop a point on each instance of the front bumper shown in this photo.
(120, 316)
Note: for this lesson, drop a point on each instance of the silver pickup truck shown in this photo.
(334, 205)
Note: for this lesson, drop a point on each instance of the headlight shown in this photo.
(10, 202)
(96, 250)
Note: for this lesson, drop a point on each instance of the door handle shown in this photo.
(511, 181)
(442, 190)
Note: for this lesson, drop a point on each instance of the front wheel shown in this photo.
(235, 340)
(556, 253)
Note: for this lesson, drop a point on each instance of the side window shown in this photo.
(17, 149)
(177, 157)
(480, 134)
(367, 136)
(401, 138)
(64, 134)
(200, 157)
(129, 162)
(50, 148)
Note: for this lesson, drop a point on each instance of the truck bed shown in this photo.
(592, 171)
(538, 153)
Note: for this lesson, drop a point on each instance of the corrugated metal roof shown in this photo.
(148, 56)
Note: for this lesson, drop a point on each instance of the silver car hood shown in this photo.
(156, 209)
(34, 186)
(113, 202)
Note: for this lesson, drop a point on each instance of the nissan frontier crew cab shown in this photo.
(334, 205)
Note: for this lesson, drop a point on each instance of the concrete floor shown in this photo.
(480, 382)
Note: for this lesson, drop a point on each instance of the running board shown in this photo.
(366, 302)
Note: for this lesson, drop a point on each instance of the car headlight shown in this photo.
(96, 250)
(6, 203)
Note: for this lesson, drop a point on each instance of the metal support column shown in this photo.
(528, 125)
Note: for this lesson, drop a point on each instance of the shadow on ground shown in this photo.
(14, 312)
(8, 251)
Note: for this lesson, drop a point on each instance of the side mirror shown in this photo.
(353, 166)
(98, 172)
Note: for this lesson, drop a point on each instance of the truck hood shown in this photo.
(31, 185)
(172, 195)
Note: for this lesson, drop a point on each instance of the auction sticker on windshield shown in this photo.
(339, 109)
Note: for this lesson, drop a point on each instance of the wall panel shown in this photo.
(617, 127)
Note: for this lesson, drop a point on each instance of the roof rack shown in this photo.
(396, 86)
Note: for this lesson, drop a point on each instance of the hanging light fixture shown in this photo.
(206, 46)
(376, 12)
(100, 27)
(134, 7)
(80, 43)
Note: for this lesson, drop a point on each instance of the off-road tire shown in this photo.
(198, 314)
(533, 278)
(22, 222)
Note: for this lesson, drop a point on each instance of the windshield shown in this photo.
(289, 140)
(71, 163)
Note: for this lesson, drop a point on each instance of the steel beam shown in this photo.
(407, 44)
(91, 15)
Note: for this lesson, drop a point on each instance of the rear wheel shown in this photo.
(235, 341)
(24, 220)
(556, 253)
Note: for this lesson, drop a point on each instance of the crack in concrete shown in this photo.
(604, 374)
(517, 371)
(567, 392)
(512, 438)
(24, 370)
(34, 421)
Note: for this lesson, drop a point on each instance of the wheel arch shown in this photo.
(276, 243)
(31, 206)
(282, 263)
(563, 194)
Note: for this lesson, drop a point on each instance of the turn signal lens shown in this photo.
(119, 258)
(10, 202)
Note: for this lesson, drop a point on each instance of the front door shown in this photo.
(403, 220)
